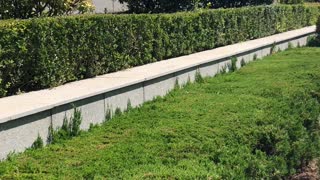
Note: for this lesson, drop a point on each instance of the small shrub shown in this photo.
(176, 84)
(223, 70)
(91, 126)
(108, 115)
(129, 106)
(233, 66)
(75, 123)
(243, 62)
(70, 128)
(117, 112)
(314, 41)
(188, 81)
(38, 143)
(198, 77)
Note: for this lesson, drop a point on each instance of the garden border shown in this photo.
(26, 116)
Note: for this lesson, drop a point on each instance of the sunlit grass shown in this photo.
(249, 123)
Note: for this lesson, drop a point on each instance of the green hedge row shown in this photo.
(318, 26)
(316, 41)
(163, 6)
(47, 52)
(291, 1)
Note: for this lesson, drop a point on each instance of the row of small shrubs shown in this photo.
(47, 52)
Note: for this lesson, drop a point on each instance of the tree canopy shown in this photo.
(25, 9)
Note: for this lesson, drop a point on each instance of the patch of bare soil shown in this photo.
(311, 172)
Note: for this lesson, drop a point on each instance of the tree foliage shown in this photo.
(25, 9)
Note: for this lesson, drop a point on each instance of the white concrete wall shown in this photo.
(110, 5)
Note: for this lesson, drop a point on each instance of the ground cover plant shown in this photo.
(47, 52)
(259, 121)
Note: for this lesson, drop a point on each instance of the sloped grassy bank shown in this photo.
(260, 121)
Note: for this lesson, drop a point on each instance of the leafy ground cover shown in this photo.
(260, 121)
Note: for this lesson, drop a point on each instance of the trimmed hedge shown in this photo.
(291, 1)
(160, 6)
(311, 0)
(47, 52)
(318, 26)
(316, 41)
(169, 6)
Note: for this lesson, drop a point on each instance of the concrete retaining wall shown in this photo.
(24, 117)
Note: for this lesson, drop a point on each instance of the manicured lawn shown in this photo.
(260, 121)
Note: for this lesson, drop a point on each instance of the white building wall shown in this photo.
(109, 5)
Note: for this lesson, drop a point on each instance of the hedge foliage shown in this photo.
(47, 52)
(291, 1)
(167, 6)
(235, 3)
(162, 6)
(311, 0)
(317, 39)
(318, 25)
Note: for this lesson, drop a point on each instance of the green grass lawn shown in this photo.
(260, 121)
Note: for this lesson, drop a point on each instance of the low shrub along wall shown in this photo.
(46, 52)
(318, 26)
(316, 40)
